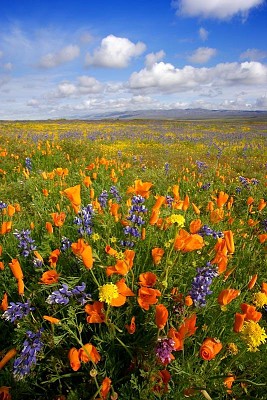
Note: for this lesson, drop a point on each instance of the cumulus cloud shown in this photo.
(203, 34)
(115, 52)
(253, 55)
(164, 77)
(8, 66)
(84, 85)
(66, 54)
(153, 58)
(202, 55)
(88, 84)
(220, 9)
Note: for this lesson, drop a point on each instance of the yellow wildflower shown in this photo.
(177, 219)
(253, 334)
(260, 299)
(108, 292)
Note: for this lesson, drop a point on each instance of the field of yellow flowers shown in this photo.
(133, 260)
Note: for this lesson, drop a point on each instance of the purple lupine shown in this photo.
(26, 243)
(65, 243)
(201, 284)
(28, 356)
(103, 198)
(169, 201)
(164, 348)
(79, 293)
(264, 225)
(205, 186)
(61, 296)
(205, 230)
(17, 311)
(136, 212)
(127, 243)
(28, 163)
(115, 193)
(84, 220)
(2, 205)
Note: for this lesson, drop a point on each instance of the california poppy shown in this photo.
(147, 296)
(95, 312)
(53, 258)
(74, 195)
(4, 303)
(58, 219)
(49, 277)
(132, 327)
(210, 348)
(147, 279)
(10, 354)
(252, 281)
(222, 199)
(229, 240)
(52, 320)
(122, 267)
(195, 225)
(124, 291)
(89, 353)
(73, 356)
(157, 254)
(105, 388)
(227, 295)
(4, 393)
(49, 227)
(162, 315)
(187, 242)
(84, 251)
(239, 322)
(6, 227)
(16, 269)
(140, 188)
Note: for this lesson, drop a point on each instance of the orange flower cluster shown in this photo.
(223, 248)
(147, 295)
(122, 267)
(188, 328)
(249, 313)
(186, 242)
(85, 354)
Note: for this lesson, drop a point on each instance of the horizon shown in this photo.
(63, 59)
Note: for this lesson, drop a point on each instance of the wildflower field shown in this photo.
(133, 260)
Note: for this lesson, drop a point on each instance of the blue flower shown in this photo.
(17, 311)
(201, 285)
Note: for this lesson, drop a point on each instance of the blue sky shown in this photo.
(80, 58)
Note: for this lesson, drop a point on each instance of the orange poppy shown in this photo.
(87, 181)
(16, 269)
(162, 315)
(229, 240)
(239, 322)
(177, 338)
(45, 192)
(159, 202)
(157, 254)
(10, 210)
(195, 225)
(2, 266)
(188, 301)
(227, 295)
(147, 296)
(185, 203)
(196, 209)
(4, 303)
(261, 205)
(105, 388)
(262, 237)
(20, 286)
(140, 188)
(188, 327)
(6, 227)
(228, 383)
(4, 393)
(49, 277)
(210, 348)
(187, 242)
(264, 287)
(52, 320)
(74, 195)
(53, 258)
(84, 251)
(89, 353)
(95, 312)
(49, 227)
(250, 200)
(58, 218)
(10, 354)
(114, 211)
(110, 251)
(132, 327)
(73, 356)
(154, 216)
(124, 291)
(216, 215)
(252, 281)
(251, 314)
(122, 267)
(147, 279)
(222, 199)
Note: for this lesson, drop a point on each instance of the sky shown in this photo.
(65, 59)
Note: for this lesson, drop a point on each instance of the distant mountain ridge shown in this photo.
(196, 113)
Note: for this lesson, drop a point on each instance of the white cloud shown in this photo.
(164, 77)
(66, 54)
(86, 37)
(221, 9)
(84, 85)
(66, 89)
(153, 58)
(202, 55)
(253, 55)
(203, 34)
(115, 52)
(33, 103)
(88, 84)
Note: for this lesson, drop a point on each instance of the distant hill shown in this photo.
(188, 114)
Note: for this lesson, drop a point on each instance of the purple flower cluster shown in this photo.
(115, 193)
(201, 166)
(264, 225)
(26, 243)
(205, 230)
(166, 168)
(169, 200)
(28, 164)
(136, 213)
(205, 186)
(127, 243)
(164, 348)
(103, 199)
(17, 311)
(65, 243)
(84, 220)
(2, 205)
(28, 356)
(63, 295)
(201, 285)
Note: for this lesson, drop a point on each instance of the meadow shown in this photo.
(133, 260)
